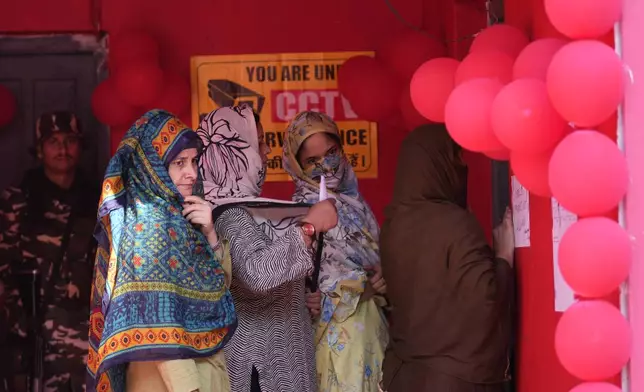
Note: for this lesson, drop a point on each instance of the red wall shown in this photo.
(539, 368)
(194, 27)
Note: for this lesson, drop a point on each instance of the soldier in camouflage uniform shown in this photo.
(46, 225)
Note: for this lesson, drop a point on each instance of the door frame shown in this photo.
(67, 44)
(500, 200)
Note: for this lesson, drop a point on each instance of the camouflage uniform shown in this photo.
(34, 218)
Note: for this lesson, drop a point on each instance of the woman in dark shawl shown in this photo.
(450, 292)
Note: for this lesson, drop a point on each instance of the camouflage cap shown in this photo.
(51, 123)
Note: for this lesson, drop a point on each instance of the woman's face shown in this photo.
(321, 155)
(183, 171)
(315, 148)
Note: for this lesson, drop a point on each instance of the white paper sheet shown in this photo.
(520, 214)
(562, 219)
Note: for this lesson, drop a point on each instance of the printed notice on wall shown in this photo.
(520, 214)
(562, 219)
(278, 86)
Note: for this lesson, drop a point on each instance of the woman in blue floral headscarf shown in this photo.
(160, 308)
(351, 331)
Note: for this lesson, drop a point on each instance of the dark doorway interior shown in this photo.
(48, 73)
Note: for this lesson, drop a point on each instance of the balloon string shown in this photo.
(621, 214)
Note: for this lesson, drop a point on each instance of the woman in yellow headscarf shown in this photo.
(351, 333)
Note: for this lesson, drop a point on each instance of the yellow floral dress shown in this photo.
(351, 335)
(350, 347)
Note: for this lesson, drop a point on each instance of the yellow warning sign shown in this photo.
(278, 86)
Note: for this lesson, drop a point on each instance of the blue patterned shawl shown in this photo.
(158, 290)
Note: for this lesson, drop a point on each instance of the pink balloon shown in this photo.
(579, 19)
(505, 38)
(467, 115)
(595, 256)
(523, 118)
(596, 387)
(588, 174)
(534, 60)
(586, 82)
(593, 340)
(404, 52)
(490, 63)
(532, 172)
(431, 85)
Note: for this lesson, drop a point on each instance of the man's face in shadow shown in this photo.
(60, 152)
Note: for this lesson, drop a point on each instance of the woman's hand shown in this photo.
(376, 280)
(375, 285)
(198, 212)
(504, 238)
(314, 303)
(323, 216)
(72, 291)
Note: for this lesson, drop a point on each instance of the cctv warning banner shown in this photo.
(278, 86)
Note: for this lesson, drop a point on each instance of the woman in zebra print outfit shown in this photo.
(273, 345)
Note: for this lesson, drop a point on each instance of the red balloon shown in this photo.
(534, 60)
(108, 107)
(139, 84)
(404, 52)
(175, 95)
(596, 387)
(586, 82)
(501, 37)
(368, 87)
(579, 19)
(431, 85)
(593, 340)
(467, 115)
(8, 106)
(532, 172)
(588, 174)
(491, 64)
(132, 47)
(499, 155)
(524, 120)
(595, 256)
(410, 115)
(348, 75)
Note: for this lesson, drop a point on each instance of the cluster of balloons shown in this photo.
(7, 106)
(536, 104)
(137, 83)
(369, 83)
(589, 175)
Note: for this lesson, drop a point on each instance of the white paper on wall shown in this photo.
(562, 219)
(520, 214)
